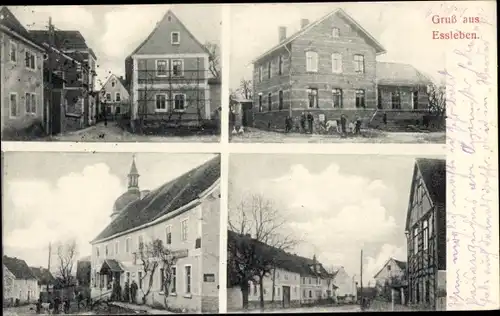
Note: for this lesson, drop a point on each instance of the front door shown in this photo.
(286, 296)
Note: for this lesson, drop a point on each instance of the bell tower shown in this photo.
(133, 177)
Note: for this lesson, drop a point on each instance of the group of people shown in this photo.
(129, 293)
(55, 305)
(342, 127)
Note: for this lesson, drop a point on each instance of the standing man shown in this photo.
(343, 123)
(310, 121)
(303, 122)
(133, 292)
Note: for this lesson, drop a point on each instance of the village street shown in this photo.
(113, 133)
(313, 309)
(253, 135)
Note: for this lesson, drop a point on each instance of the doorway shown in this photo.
(286, 296)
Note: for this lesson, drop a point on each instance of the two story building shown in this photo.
(21, 76)
(295, 281)
(168, 75)
(45, 279)
(114, 97)
(185, 215)
(346, 286)
(330, 68)
(426, 234)
(80, 109)
(20, 283)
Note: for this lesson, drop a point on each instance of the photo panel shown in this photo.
(336, 233)
(111, 233)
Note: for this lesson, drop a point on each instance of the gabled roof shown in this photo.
(159, 23)
(62, 39)
(165, 199)
(119, 79)
(18, 268)
(379, 48)
(433, 173)
(9, 21)
(400, 74)
(43, 275)
(284, 260)
(400, 264)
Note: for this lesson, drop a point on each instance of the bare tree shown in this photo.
(258, 223)
(149, 262)
(213, 58)
(167, 260)
(437, 99)
(66, 257)
(246, 88)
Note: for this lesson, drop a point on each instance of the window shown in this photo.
(168, 235)
(13, 52)
(97, 252)
(260, 102)
(127, 245)
(260, 74)
(118, 97)
(113, 83)
(140, 241)
(139, 276)
(30, 60)
(174, 280)
(396, 100)
(269, 70)
(184, 230)
(117, 110)
(27, 101)
(117, 247)
(177, 67)
(310, 294)
(312, 95)
(426, 234)
(415, 100)
(311, 61)
(304, 293)
(335, 32)
(179, 102)
(161, 102)
(359, 63)
(108, 96)
(280, 65)
(128, 277)
(337, 98)
(379, 99)
(269, 102)
(106, 252)
(415, 240)
(278, 292)
(175, 37)
(162, 279)
(360, 98)
(187, 283)
(280, 100)
(336, 63)
(161, 68)
(255, 290)
(389, 267)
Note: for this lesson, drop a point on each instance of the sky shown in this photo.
(404, 29)
(113, 31)
(54, 197)
(335, 206)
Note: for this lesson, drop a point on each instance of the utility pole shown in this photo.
(361, 282)
(48, 267)
(50, 88)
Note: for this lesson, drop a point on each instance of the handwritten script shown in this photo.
(472, 217)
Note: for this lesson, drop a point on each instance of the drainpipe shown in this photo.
(290, 62)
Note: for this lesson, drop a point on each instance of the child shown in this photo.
(351, 127)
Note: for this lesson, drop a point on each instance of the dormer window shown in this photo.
(335, 32)
(175, 38)
(113, 83)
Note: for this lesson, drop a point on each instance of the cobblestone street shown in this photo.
(368, 136)
(113, 133)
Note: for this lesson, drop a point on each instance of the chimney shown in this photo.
(304, 23)
(282, 33)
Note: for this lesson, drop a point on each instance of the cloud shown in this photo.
(78, 206)
(334, 214)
